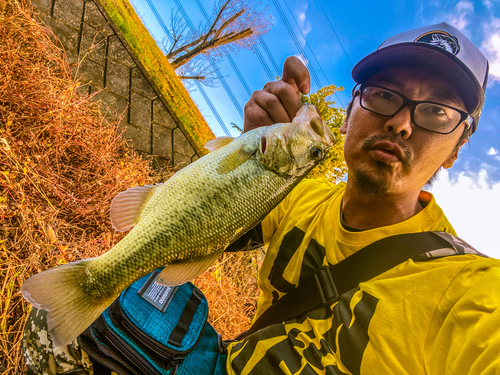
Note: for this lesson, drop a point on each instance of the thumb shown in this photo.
(296, 74)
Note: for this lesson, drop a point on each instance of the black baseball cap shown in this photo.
(440, 48)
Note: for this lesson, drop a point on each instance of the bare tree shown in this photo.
(233, 25)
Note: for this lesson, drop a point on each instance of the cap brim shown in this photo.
(428, 57)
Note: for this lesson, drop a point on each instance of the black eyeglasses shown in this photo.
(435, 117)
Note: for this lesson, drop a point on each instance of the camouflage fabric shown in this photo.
(41, 356)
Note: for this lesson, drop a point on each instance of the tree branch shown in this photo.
(216, 20)
(232, 37)
(184, 47)
(173, 45)
(212, 44)
(192, 77)
(228, 22)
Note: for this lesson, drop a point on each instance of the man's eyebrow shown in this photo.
(440, 93)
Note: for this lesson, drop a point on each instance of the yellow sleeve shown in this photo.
(464, 335)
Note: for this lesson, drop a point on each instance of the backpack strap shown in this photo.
(329, 282)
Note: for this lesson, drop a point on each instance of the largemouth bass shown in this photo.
(185, 223)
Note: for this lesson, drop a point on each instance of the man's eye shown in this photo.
(385, 95)
(436, 110)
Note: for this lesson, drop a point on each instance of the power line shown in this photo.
(220, 77)
(211, 105)
(297, 43)
(160, 20)
(198, 85)
(269, 55)
(229, 57)
(259, 55)
(331, 25)
(240, 76)
(310, 49)
(263, 62)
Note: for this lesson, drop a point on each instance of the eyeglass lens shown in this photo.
(431, 116)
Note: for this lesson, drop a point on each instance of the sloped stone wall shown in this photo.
(99, 58)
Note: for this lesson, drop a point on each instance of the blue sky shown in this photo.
(470, 192)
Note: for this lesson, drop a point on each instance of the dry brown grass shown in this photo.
(230, 286)
(61, 165)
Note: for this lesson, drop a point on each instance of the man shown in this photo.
(418, 98)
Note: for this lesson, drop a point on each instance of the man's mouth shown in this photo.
(387, 151)
(388, 148)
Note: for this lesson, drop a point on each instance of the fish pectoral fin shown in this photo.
(219, 142)
(235, 159)
(181, 272)
(126, 207)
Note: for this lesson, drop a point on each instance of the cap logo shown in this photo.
(441, 39)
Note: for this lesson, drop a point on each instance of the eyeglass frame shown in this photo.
(464, 116)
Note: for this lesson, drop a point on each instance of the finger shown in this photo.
(255, 116)
(296, 74)
(273, 106)
(287, 98)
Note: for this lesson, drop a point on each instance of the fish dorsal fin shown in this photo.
(127, 206)
(215, 144)
(181, 272)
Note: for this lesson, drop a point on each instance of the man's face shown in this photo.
(391, 154)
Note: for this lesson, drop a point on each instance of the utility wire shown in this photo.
(259, 55)
(263, 62)
(160, 20)
(310, 49)
(240, 76)
(211, 105)
(269, 55)
(220, 77)
(229, 57)
(297, 43)
(331, 25)
(198, 85)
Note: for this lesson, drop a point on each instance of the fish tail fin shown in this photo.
(61, 291)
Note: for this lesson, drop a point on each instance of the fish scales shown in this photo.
(209, 217)
(185, 223)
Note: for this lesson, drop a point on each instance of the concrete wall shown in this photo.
(99, 57)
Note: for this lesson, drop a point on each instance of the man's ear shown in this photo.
(448, 163)
(343, 128)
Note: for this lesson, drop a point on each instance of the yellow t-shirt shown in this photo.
(429, 317)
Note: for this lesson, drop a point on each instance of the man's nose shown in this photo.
(400, 123)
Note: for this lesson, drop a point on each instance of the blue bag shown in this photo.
(156, 329)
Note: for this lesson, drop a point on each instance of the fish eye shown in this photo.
(316, 153)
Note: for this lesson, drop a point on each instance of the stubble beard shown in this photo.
(374, 183)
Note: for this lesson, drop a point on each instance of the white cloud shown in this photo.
(491, 47)
(492, 151)
(304, 25)
(302, 58)
(472, 205)
(459, 17)
(488, 4)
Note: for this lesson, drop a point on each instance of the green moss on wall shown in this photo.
(156, 64)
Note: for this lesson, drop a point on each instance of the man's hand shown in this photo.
(278, 101)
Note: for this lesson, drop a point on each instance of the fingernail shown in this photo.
(305, 87)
